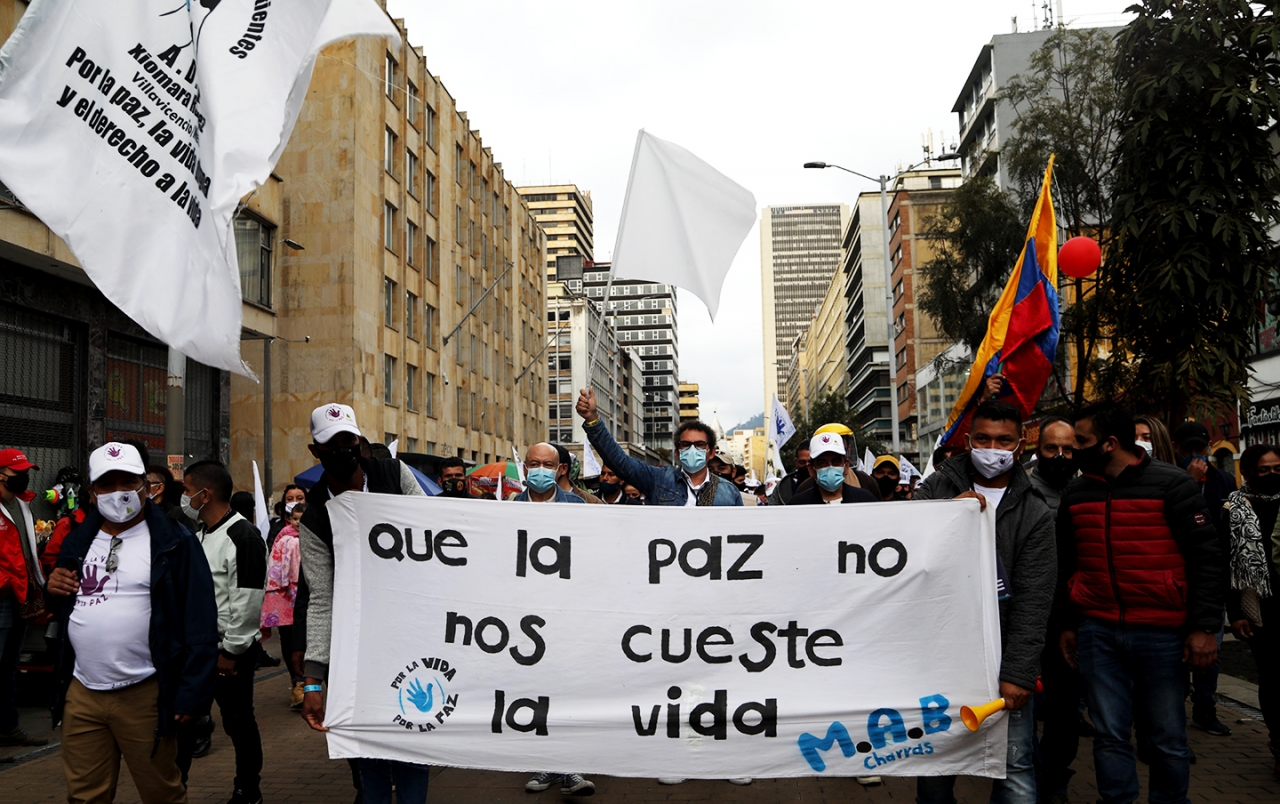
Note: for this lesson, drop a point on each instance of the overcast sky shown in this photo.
(559, 89)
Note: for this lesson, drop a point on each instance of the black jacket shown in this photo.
(850, 494)
(1025, 545)
(184, 617)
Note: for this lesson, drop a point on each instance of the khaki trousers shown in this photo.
(100, 727)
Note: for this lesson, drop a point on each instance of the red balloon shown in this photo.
(1079, 257)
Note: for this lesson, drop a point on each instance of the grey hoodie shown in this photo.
(1025, 542)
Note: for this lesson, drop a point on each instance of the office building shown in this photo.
(689, 401)
(799, 253)
(564, 213)
(408, 224)
(644, 316)
(862, 275)
(916, 197)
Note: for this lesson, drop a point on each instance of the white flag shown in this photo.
(394, 447)
(133, 129)
(261, 518)
(906, 469)
(682, 221)
(590, 463)
(781, 428)
(868, 461)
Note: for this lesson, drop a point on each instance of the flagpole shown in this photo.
(604, 313)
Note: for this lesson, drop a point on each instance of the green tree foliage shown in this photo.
(1195, 186)
(977, 237)
(827, 408)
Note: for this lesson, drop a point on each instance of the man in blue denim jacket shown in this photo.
(689, 484)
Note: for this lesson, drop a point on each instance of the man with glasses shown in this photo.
(826, 464)
(690, 484)
(133, 594)
(238, 560)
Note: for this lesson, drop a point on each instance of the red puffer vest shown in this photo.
(1129, 568)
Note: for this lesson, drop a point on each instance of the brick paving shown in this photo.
(1231, 770)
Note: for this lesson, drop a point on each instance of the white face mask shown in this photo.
(991, 462)
(119, 506)
(288, 507)
(1147, 446)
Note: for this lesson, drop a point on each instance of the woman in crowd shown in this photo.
(1252, 606)
(282, 591)
(1151, 434)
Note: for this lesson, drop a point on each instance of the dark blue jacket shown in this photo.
(184, 616)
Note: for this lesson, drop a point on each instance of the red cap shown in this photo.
(15, 459)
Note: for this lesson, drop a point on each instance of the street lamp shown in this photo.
(883, 181)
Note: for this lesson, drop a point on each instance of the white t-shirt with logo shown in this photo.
(111, 624)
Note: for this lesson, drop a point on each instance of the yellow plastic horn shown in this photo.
(973, 717)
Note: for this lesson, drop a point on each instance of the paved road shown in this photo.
(1231, 770)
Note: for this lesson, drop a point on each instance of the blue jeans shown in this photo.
(1019, 784)
(1143, 664)
(378, 776)
(13, 630)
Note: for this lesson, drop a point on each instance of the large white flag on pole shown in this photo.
(261, 518)
(682, 221)
(781, 428)
(133, 129)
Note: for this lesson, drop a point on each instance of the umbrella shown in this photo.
(507, 469)
(310, 477)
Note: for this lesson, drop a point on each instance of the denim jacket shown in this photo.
(661, 485)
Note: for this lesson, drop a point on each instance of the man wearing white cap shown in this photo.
(134, 596)
(827, 465)
(336, 444)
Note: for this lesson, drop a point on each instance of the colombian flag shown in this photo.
(1022, 332)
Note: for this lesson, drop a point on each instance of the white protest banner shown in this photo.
(689, 642)
(133, 129)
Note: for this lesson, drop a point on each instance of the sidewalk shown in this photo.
(1231, 770)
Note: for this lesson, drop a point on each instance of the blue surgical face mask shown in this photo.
(693, 459)
(541, 479)
(831, 477)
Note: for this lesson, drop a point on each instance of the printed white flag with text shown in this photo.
(782, 429)
(682, 221)
(133, 129)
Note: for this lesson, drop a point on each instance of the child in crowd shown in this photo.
(282, 590)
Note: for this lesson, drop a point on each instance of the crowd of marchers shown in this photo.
(1122, 552)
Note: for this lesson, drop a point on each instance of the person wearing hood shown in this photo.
(1025, 568)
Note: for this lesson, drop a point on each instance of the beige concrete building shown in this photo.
(689, 401)
(819, 357)
(564, 213)
(408, 223)
(799, 253)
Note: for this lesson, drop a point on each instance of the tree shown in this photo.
(1195, 193)
(825, 409)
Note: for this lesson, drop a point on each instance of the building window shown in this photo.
(411, 172)
(430, 194)
(388, 379)
(429, 325)
(429, 260)
(388, 226)
(897, 256)
(411, 387)
(901, 358)
(254, 240)
(388, 302)
(429, 395)
(389, 155)
(411, 315)
(392, 65)
(410, 242)
(431, 128)
(458, 161)
(415, 102)
(457, 223)
(897, 290)
(473, 182)
(459, 284)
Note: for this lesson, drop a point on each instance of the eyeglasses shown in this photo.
(113, 556)
(684, 445)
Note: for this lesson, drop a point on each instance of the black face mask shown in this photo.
(887, 484)
(454, 487)
(18, 483)
(608, 489)
(1266, 484)
(1091, 460)
(1057, 472)
(340, 463)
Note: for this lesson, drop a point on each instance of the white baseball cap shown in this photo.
(115, 457)
(826, 442)
(329, 420)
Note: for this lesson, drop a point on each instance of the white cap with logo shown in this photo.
(825, 442)
(115, 457)
(329, 420)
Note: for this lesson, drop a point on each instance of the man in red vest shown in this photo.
(21, 582)
(1140, 594)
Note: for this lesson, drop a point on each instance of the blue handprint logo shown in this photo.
(424, 700)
